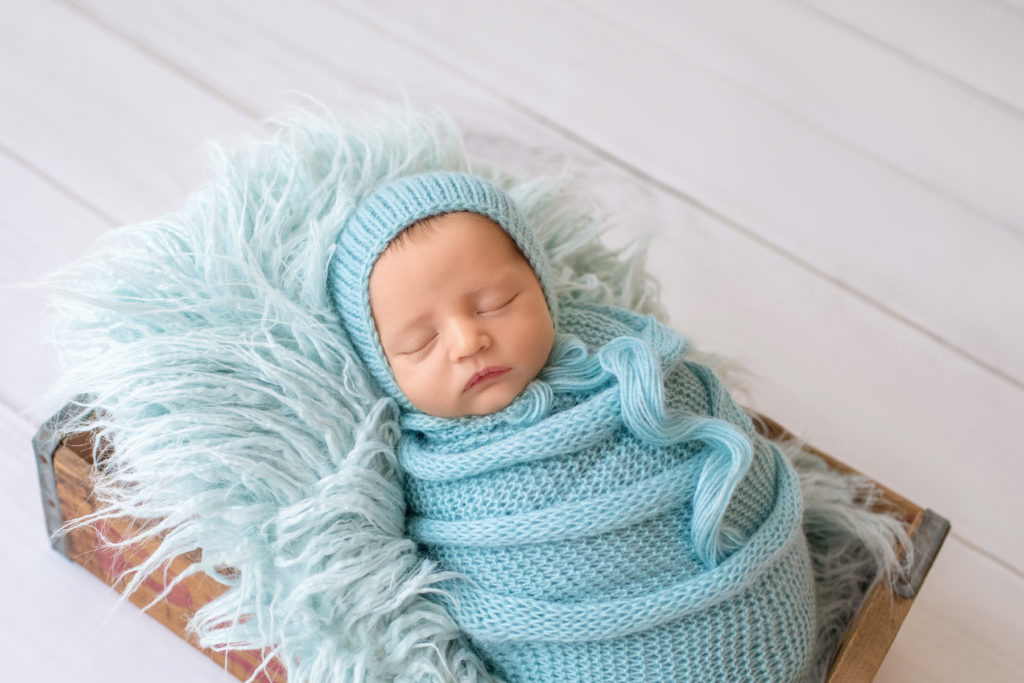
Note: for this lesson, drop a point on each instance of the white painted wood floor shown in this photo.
(835, 192)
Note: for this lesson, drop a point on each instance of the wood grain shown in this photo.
(73, 86)
(976, 45)
(42, 228)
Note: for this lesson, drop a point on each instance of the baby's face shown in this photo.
(461, 316)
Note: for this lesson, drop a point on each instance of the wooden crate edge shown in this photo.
(72, 467)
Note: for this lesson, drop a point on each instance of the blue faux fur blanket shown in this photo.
(243, 422)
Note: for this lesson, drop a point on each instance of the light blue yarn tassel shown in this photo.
(638, 370)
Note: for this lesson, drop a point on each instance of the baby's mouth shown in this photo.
(486, 373)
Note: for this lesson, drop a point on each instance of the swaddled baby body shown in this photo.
(610, 511)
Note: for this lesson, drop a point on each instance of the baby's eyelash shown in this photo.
(500, 306)
(419, 348)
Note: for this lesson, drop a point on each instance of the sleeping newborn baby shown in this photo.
(608, 512)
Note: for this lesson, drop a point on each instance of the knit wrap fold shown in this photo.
(620, 520)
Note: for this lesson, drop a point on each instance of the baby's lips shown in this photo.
(485, 374)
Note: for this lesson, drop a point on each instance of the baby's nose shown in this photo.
(467, 338)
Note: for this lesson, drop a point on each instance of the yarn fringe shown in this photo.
(208, 357)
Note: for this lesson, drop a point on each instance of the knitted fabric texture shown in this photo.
(619, 521)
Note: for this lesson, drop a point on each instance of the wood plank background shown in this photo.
(833, 191)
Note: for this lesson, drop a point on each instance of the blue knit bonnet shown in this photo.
(385, 213)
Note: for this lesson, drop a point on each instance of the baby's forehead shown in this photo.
(490, 230)
(453, 255)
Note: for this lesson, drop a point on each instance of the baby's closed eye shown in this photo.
(496, 303)
(417, 345)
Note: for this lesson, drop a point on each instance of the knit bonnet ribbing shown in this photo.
(388, 211)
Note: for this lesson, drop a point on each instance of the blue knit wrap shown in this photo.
(619, 521)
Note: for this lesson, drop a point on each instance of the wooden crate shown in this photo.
(66, 467)
(65, 474)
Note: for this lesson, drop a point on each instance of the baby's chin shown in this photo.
(493, 398)
(485, 402)
(490, 408)
(486, 399)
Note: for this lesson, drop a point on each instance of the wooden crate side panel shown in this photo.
(86, 546)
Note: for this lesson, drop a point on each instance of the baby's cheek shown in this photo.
(405, 376)
(423, 378)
